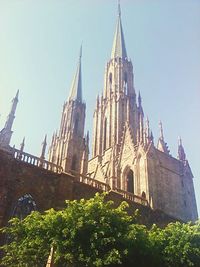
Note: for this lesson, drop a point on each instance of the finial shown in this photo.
(161, 130)
(45, 140)
(181, 152)
(22, 144)
(139, 99)
(119, 9)
(17, 94)
(147, 128)
(44, 144)
(80, 54)
(151, 136)
(179, 141)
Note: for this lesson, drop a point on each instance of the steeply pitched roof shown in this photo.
(76, 87)
(119, 48)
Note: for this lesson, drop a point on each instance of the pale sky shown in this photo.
(39, 47)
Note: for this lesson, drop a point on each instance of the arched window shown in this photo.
(76, 124)
(105, 134)
(143, 195)
(125, 82)
(74, 163)
(24, 206)
(130, 181)
(125, 77)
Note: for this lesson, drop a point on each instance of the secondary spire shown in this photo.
(119, 48)
(181, 151)
(6, 132)
(76, 87)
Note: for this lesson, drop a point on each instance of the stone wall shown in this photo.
(50, 190)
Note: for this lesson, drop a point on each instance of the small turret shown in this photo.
(181, 152)
(22, 145)
(162, 146)
(44, 145)
(139, 100)
(6, 132)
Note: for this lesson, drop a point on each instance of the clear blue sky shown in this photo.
(39, 47)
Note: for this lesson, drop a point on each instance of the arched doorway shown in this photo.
(130, 181)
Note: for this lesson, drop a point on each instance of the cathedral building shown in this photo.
(124, 153)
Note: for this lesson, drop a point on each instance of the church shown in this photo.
(125, 155)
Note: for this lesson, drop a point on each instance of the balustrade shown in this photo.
(38, 162)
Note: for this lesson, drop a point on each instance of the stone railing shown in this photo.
(131, 197)
(41, 163)
(38, 162)
(90, 181)
(106, 188)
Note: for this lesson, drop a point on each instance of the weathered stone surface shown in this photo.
(50, 190)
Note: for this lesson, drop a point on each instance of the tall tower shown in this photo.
(69, 148)
(117, 105)
(123, 151)
(6, 132)
(116, 109)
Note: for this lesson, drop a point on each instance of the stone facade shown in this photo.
(50, 187)
(69, 148)
(124, 154)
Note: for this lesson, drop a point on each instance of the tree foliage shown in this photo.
(94, 233)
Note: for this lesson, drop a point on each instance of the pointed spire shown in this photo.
(139, 100)
(181, 152)
(147, 127)
(17, 94)
(76, 87)
(22, 145)
(162, 146)
(44, 145)
(119, 9)
(119, 48)
(11, 116)
(161, 131)
(151, 136)
(6, 132)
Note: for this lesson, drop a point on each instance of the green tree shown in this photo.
(86, 233)
(93, 233)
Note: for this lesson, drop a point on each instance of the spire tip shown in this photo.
(119, 8)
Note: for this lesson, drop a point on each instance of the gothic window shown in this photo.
(76, 124)
(105, 134)
(143, 195)
(74, 163)
(24, 206)
(63, 125)
(110, 78)
(125, 77)
(125, 82)
(130, 181)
